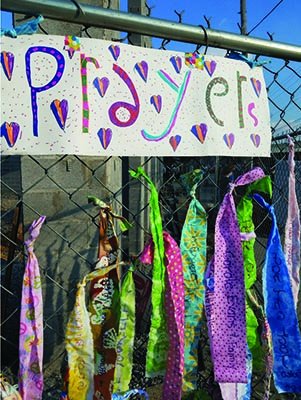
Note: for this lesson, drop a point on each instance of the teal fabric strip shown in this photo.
(193, 249)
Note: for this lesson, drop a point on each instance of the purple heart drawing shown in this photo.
(200, 132)
(210, 67)
(229, 140)
(142, 69)
(11, 132)
(60, 111)
(255, 139)
(105, 137)
(115, 51)
(7, 61)
(156, 100)
(101, 85)
(177, 63)
(175, 141)
(256, 86)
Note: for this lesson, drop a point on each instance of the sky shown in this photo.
(283, 24)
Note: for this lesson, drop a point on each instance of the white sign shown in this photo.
(66, 95)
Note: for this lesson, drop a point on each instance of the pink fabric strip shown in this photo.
(226, 303)
(292, 228)
(174, 307)
(31, 323)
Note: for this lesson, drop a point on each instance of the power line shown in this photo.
(265, 17)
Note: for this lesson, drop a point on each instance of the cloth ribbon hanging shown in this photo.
(174, 308)
(244, 215)
(31, 323)
(104, 304)
(225, 302)
(193, 250)
(79, 342)
(292, 228)
(126, 335)
(158, 342)
(280, 312)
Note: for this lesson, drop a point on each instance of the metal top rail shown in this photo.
(87, 15)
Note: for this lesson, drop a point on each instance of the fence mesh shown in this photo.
(58, 186)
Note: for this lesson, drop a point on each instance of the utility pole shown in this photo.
(243, 17)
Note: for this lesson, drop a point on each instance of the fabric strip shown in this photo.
(292, 228)
(157, 347)
(125, 338)
(31, 323)
(174, 308)
(193, 250)
(227, 306)
(280, 312)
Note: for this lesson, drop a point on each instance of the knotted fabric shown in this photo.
(226, 303)
(157, 347)
(31, 323)
(125, 339)
(292, 228)
(193, 250)
(104, 305)
(79, 342)
(174, 308)
(244, 216)
(280, 312)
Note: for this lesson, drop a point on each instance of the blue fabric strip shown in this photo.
(28, 28)
(281, 313)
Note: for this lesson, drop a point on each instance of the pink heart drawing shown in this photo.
(200, 132)
(255, 139)
(11, 132)
(142, 69)
(101, 85)
(210, 67)
(115, 51)
(60, 111)
(105, 137)
(229, 140)
(177, 63)
(156, 100)
(7, 61)
(175, 141)
(256, 86)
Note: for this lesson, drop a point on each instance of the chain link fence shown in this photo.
(58, 186)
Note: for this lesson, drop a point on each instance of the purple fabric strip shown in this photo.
(31, 323)
(174, 308)
(225, 304)
(292, 228)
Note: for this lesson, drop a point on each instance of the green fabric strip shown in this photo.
(125, 339)
(158, 340)
(244, 215)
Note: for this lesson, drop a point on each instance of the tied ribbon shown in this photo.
(174, 308)
(79, 343)
(292, 228)
(104, 305)
(31, 323)
(280, 312)
(158, 340)
(125, 339)
(193, 250)
(244, 216)
(28, 28)
(226, 306)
